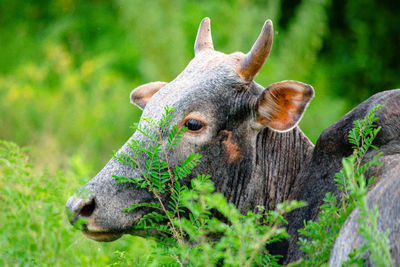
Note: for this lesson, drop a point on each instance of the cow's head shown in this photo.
(216, 98)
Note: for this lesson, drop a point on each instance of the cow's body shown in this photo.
(386, 196)
(247, 135)
(317, 178)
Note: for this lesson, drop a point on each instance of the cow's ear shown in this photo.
(281, 105)
(142, 94)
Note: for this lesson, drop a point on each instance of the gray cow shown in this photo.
(249, 140)
(316, 178)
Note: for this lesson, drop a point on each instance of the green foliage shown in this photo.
(350, 179)
(34, 230)
(175, 135)
(185, 168)
(353, 67)
(239, 240)
(156, 176)
(321, 234)
(188, 230)
(67, 67)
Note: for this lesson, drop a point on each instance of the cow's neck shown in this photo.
(277, 160)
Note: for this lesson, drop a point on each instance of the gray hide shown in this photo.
(249, 141)
(315, 180)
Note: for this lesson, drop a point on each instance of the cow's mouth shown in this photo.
(102, 236)
(93, 231)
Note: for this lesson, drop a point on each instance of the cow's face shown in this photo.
(216, 98)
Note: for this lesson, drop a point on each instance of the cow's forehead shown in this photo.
(207, 80)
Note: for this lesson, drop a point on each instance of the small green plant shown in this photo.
(321, 234)
(156, 174)
(189, 231)
(238, 240)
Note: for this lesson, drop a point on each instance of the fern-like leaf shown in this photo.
(137, 148)
(187, 165)
(166, 117)
(124, 158)
(175, 135)
(139, 182)
(145, 130)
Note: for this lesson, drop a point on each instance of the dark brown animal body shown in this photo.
(316, 178)
(248, 137)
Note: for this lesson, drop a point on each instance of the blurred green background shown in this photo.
(67, 68)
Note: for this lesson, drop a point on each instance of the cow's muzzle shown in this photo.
(80, 208)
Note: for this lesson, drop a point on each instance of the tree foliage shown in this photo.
(67, 66)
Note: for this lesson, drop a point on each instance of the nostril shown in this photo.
(80, 206)
(88, 208)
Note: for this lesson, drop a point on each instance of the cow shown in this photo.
(248, 137)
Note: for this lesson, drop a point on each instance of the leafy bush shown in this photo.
(34, 230)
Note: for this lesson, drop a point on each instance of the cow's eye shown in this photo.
(194, 125)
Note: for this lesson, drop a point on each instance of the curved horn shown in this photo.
(255, 59)
(203, 39)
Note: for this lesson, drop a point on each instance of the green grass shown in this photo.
(34, 230)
